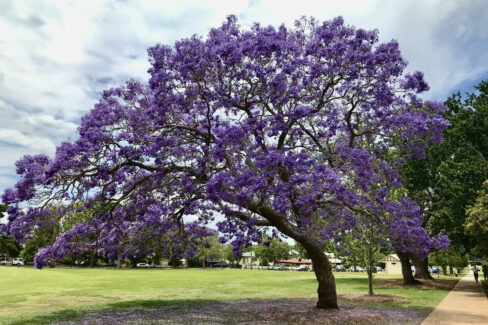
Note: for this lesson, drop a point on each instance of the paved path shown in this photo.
(465, 304)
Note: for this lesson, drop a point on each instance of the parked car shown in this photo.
(282, 268)
(302, 267)
(5, 261)
(143, 265)
(18, 261)
(340, 268)
(378, 269)
(435, 270)
(356, 269)
(220, 264)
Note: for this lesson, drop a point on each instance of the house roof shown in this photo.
(295, 261)
(390, 258)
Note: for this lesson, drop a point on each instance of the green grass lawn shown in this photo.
(28, 295)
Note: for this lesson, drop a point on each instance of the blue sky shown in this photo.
(56, 56)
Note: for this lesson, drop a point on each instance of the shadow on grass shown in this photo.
(76, 315)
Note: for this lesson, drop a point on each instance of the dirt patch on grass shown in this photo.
(290, 311)
(440, 284)
(363, 297)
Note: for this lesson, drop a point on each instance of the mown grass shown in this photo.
(41, 296)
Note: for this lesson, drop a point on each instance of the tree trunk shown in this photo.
(407, 269)
(421, 269)
(119, 261)
(369, 269)
(323, 272)
(451, 270)
(92, 258)
(444, 269)
(370, 280)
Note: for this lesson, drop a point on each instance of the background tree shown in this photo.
(9, 246)
(229, 255)
(476, 224)
(440, 258)
(445, 183)
(209, 249)
(270, 127)
(271, 249)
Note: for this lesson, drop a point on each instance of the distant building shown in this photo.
(248, 260)
(295, 261)
(392, 264)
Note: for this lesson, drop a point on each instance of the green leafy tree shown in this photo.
(445, 183)
(476, 223)
(276, 249)
(440, 258)
(43, 235)
(9, 246)
(229, 255)
(209, 249)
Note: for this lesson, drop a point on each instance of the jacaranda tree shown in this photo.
(277, 130)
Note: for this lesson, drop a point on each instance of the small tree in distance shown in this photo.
(267, 127)
(271, 250)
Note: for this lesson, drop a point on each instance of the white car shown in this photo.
(18, 261)
(5, 261)
(302, 267)
(143, 265)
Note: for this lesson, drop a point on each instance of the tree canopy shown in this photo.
(476, 223)
(288, 128)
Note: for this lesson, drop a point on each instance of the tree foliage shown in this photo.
(271, 250)
(446, 182)
(476, 223)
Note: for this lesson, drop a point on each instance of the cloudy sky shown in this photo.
(56, 56)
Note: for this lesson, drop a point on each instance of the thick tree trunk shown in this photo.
(323, 272)
(421, 269)
(119, 261)
(407, 269)
(451, 270)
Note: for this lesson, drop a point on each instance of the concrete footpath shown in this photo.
(465, 304)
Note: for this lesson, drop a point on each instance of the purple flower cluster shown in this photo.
(297, 129)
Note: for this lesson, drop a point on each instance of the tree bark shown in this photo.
(407, 269)
(370, 280)
(119, 261)
(369, 269)
(422, 269)
(323, 272)
(451, 269)
(92, 258)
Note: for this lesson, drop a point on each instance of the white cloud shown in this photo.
(15, 137)
(57, 55)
